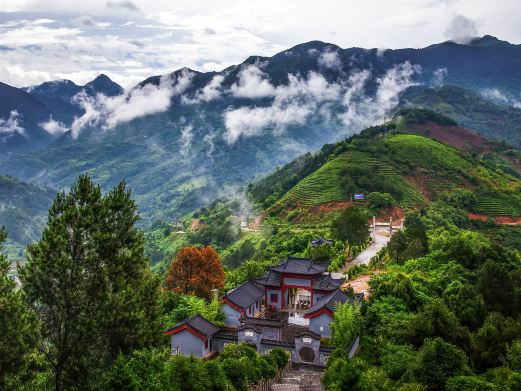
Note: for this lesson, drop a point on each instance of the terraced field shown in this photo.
(320, 187)
(499, 204)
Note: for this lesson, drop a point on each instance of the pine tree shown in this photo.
(89, 282)
(17, 328)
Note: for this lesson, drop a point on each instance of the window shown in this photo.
(206, 344)
(274, 298)
(248, 333)
(321, 328)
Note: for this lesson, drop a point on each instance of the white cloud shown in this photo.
(186, 140)
(108, 112)
(497, 96)
(252, 84)
(251, 121)
(461, 29)
(361, 110)
(208, 93)
(330, 59)
(11, 125)
(53, 127)
(438, 77)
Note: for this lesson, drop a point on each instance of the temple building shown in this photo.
(291, 307)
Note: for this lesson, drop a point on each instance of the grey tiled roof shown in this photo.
(246, 294)
(271, 278)
(300, 266)
(200, 324)
(330, 302)
(326, 283)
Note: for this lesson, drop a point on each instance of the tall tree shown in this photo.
(17, 329)
(89, 282)
(351, 226)
(196, 271)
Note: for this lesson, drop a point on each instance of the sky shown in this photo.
(130, 40)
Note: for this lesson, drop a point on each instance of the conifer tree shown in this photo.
(17, 329)
(89, 282)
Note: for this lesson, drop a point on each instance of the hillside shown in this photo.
(494, 120)
(23, 212)
(414, 169)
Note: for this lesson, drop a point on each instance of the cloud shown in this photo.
(11, 125)
(53, 127)
(330, 59)
(461, 29)
(186, 140)
(438, 77)
(108, 112)
(497, 96)
(208, 93)
(361, 110)
(292, 104)
(252, 84)
(250, 121)
(124, 4)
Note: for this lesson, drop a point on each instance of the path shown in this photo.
(300, 378)
(381, 239)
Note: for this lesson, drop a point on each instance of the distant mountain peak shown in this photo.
(103, 84)
(486, 40)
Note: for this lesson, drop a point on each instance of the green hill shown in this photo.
(23, 212)
(412, 168)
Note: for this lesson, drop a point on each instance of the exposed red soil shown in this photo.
(330, 206)
(255, 223)
(453, 135)
(361, 283)
(396, 213)
(505, 220)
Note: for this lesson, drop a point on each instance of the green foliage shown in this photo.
(377, 201)
(18, 332)
(467, 383)
(89, 282)
(345, 325)
(178, 307)
(420, 116)
(412, 242)
(438, 361)
(351, 226)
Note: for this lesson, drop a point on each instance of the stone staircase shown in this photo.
(300, 378)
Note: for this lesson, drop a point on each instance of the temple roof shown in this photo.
(198, 323)
(245, 295)
(324, 282)
(300, 266)
(330, 302)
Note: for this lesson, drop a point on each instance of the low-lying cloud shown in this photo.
(108, 112)
(11, 125)
(461, 29)
(296, 101)
(53, 127)
(497, 96)
(252, 84)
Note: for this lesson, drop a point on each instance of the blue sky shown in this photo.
(130, 40)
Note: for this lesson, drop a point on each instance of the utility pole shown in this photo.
(391, 225)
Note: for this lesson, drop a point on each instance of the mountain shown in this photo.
(20, 118)
(59, 95)
(180, 140)
(23, 212)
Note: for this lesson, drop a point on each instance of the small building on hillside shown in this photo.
(245, 300)
(323, 312)
(320, 241)
(192, 336)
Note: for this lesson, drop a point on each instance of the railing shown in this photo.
(266, 384)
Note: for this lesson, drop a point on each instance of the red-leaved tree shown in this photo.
(196, 271)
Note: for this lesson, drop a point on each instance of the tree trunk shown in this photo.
(58, 379)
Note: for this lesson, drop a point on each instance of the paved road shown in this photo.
(365, 256)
